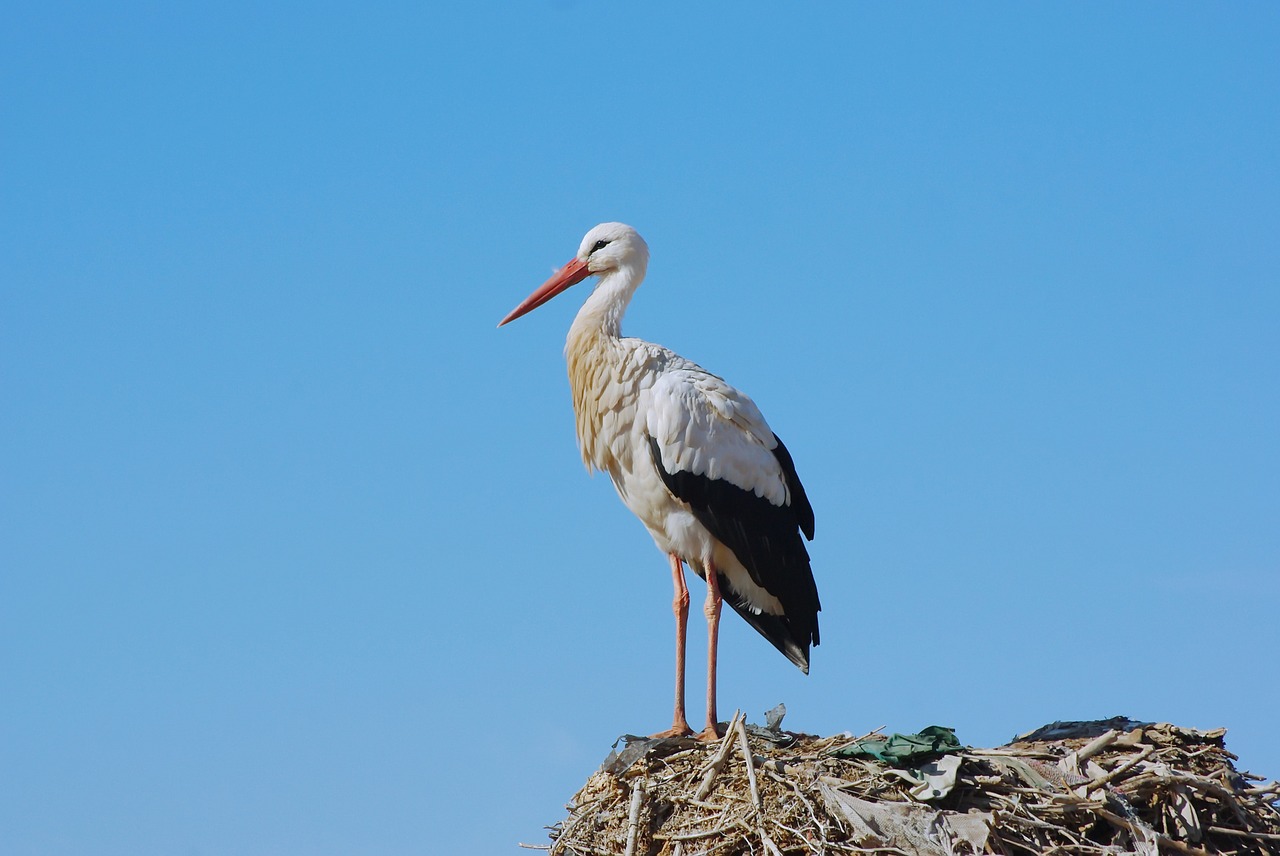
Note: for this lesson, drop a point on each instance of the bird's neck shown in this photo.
(591, 351)
(601, 314)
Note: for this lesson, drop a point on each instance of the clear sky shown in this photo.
(298, 553)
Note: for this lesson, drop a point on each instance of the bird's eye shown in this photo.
(600, 245)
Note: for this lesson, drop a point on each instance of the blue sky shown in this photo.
(299, 556)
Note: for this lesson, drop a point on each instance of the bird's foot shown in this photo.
(711, 733)
(679, 729)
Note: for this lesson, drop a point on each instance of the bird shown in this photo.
(693, 458)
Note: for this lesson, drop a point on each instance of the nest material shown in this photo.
(1071, 788)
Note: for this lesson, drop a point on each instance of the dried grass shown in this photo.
(1072, 788)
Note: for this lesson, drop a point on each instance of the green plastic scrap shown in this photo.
(904, 748)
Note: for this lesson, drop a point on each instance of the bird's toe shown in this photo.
(679, 729)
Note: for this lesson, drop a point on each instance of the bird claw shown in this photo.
(711, 733)
(680, 729)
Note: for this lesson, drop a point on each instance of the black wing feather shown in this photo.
(799, 499)
(766, 539)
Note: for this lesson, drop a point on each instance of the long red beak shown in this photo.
(571, 274)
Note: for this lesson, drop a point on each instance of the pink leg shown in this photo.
(680, 606)
(712, 611)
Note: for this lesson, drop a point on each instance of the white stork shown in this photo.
(693, 458)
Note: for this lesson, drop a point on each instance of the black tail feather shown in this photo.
(776, 628)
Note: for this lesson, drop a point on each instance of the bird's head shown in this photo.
(611, 246)
(606, 249)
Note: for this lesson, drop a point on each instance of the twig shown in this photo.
(633, 817)
(872, 733)
(1073, 800)
(1094, 784)
(1136, 828)
(1093, 747)
(1261, 836)
(691, 836)
(1208, 787)
(717, 763)
(813, 815)
(751, 770)
(710, 806)
(562, 840)
(580, 849)
(1009, 753)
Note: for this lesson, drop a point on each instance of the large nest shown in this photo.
(1109, 787)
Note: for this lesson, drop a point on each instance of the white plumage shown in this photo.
(692, 457)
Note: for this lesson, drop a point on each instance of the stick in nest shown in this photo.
(751, 768)
(633, 816)
(717, 763)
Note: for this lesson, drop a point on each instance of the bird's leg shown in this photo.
(680, 606)
(712, 611)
